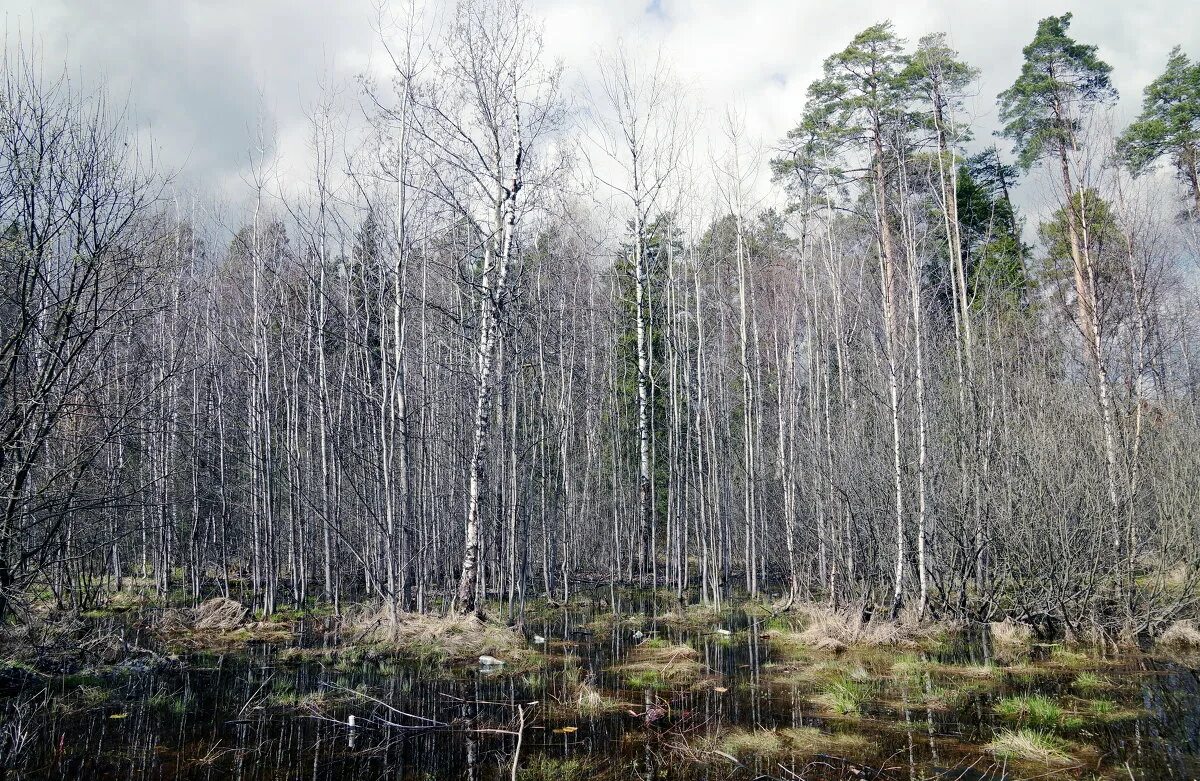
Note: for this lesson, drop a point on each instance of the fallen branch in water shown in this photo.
(429, 723)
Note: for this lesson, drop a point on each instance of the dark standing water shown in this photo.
(249, 715)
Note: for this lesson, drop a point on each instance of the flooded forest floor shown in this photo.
(590, 690)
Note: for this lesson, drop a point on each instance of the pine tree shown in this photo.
(1169, 124)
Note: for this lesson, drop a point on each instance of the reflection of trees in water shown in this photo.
(251, 717)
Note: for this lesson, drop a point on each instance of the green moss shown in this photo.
(76, 680)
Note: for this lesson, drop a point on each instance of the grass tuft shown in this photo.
(1107, 711)
(1088, 681)
(439, 639)
(1181, 634)
(1031, 746)
(759, 742)
(847, 695)
(659, 666)
(1030, 711)
(793, 741)
(1061, 656)
(1010, 633)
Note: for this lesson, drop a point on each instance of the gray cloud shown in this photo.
(200, 72)
(199, 75)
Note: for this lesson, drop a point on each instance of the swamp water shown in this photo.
(601, 705)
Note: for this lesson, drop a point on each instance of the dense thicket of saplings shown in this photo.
(496, 344)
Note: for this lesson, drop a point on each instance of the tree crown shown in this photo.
(1061, 81)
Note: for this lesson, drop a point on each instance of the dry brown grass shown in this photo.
(792, 741)
(450, 638)
(590, 701)
(1181, 634)
(1010, 633)
(1031, 746)
(835, 631)
(659, 662)
(218, 614)
(214, 616)
(218, 623)
(691, 616)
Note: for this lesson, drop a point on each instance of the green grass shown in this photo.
(167, 704)
(91, 696)
(1062, 656)
(909, 664)
(645, 679)
(1088, 681)
(657, 666)
(75, 680)
(782, 624)
(1108, 711)
(847, 696)
(1031, 711)
(572, 673)
(18, 665)
(1037, 712)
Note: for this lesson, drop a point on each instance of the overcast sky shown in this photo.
(198, 72)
